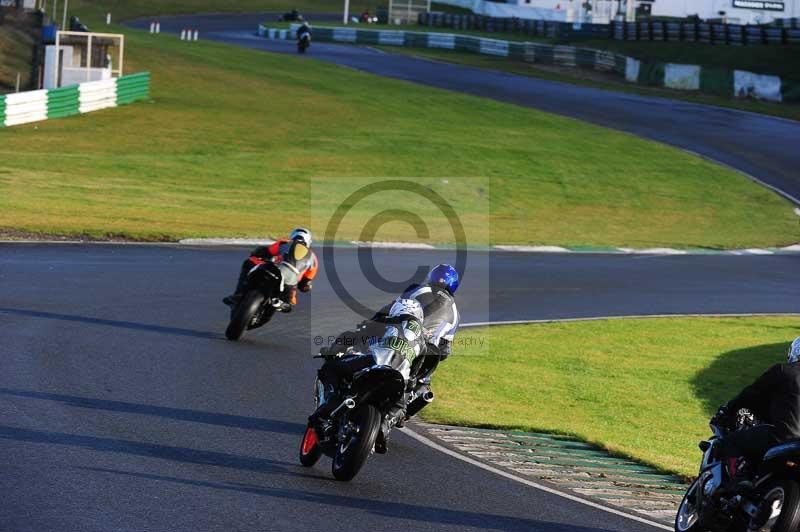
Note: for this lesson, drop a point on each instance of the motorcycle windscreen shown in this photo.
(290, 274)
(393, 358)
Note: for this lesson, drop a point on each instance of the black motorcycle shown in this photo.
(290, 16)
(349, 433)
(266, 282)
(728, 495)
(303, 42)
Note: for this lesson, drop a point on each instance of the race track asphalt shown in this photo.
(123, 408)
(761, 146)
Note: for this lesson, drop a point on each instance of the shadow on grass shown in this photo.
(730, 372)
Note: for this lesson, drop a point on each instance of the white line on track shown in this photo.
(553, 491)
(433, 445)
(634, 317)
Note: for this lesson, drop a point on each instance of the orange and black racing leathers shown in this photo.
(307, 267)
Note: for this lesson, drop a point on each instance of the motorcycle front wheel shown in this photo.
(358, 444)
(688, 518)
(780, 506)
(243, 314)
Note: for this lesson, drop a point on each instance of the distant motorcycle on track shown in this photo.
(303, 42)
(266, 281)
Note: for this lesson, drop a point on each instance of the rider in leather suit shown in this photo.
(441, 320)
(774, 400)
(402, 339)
(307, 267)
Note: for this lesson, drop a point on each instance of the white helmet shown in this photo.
(302, 234)
(406, 307)
(794, 351)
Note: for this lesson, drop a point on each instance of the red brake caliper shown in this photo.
(309, 440)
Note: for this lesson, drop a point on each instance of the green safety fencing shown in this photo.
(74, 99)
(718, 81)
(133, 87)
(63, 102)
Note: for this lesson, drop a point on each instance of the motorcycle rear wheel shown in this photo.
(310, 451)
(782, 498)
(351, 455)
(243, 314)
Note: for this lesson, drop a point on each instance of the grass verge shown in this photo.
(95, 10)
(591, 78)
(642, 388)
(232, 138)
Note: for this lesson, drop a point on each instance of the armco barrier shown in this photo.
(63, 102)
(656, 74)
(133, 87)
(24, 107)
(34, 106)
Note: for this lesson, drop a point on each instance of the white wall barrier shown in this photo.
(24, 107)
(494, 47)
(344, 35)
(747, 84)
(97, 95)
(564, 55)
(442, 40)
(632, 69)
(392, 38)
(683, 77)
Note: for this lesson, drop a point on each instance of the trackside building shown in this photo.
(602, 11)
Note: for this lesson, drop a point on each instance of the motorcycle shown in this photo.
(349, 433)
(290, 16)
(266, 282)
(768, 501)
(303, 42)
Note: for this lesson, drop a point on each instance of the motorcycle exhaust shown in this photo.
(348, 403)
(428, 396)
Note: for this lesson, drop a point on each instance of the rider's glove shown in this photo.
(304, 285)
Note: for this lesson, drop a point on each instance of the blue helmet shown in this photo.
(445, 276)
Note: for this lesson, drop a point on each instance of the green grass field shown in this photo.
(589, 78)
(642, 388)
(95, 10)
(233, 135)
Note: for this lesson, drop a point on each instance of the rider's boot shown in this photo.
(234, 299)
(390, 420)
